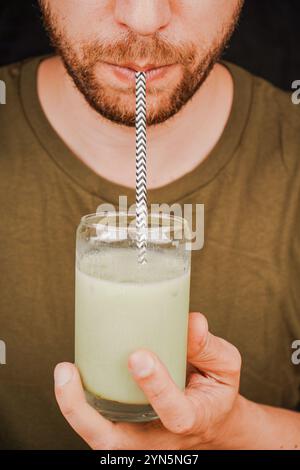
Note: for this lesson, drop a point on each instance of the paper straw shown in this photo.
(141, 167)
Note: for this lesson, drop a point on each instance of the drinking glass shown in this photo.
(122, 305)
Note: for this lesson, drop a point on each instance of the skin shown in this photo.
(116, 36)
(210, 413)
(108, 148)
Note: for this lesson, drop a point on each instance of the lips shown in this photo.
(139, 68)
(126, 72)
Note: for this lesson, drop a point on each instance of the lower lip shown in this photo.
(128, 75)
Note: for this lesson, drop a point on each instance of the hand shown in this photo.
(199, 418)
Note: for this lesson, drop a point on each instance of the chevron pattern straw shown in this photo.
(141, 167)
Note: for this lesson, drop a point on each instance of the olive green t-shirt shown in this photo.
(246, 279)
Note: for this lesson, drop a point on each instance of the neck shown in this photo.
(174, 148)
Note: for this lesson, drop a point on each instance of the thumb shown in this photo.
(211, 355)
(84, 419)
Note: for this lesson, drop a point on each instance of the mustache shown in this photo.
(133, 48)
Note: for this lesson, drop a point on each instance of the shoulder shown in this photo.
(280, 105)
(279, 116)
(14, 127)
(10, 83)
(9, 80)
(12, 116)
(274, 118)
(10, 107)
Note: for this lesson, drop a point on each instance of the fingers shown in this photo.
(211, 354)
(85, 420)
(175, 410)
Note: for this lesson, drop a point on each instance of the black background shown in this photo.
(267, 41)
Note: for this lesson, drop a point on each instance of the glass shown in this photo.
(121, 306)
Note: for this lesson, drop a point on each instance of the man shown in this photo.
(216, 136)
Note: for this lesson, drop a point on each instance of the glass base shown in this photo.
(116, 411)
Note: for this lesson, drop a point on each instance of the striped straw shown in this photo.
(141, 166)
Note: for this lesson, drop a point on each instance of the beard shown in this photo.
(118, 105)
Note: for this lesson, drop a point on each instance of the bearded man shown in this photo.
(217, 136)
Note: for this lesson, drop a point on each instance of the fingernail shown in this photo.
(63, 374)
(141, 364)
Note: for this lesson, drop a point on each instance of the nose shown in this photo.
(144, 17)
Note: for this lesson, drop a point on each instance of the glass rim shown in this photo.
(87, 219)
